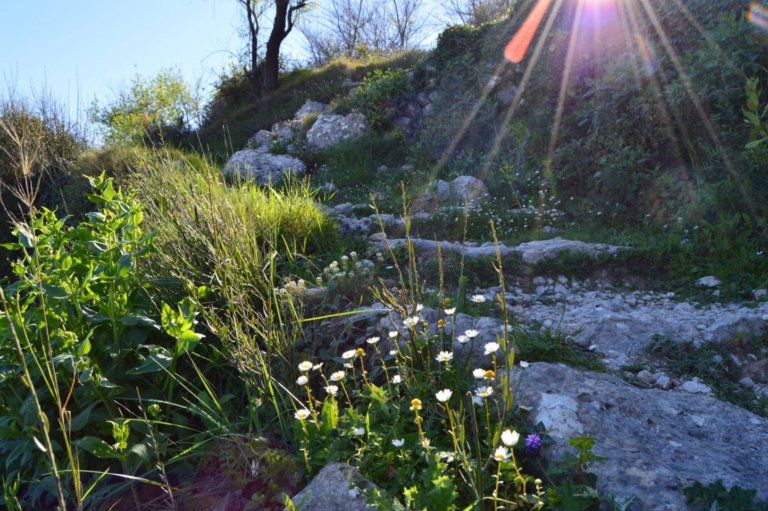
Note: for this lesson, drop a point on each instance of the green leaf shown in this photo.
(55, 292)
(84, 347)
(97, 447)
(124, 264)
(157, 360)
(187, 341)
(138, 320)
(82, 419)
(26, 239)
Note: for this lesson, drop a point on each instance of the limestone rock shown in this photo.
(655, 442)
(262, 138)
(262, 167)
(311, 108)
(536, 251)
(468, 189)
(338, 487)
(709, 281)
(329, 129)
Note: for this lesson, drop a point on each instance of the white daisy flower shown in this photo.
(444, 395)
(332, 390)
(471, 333)
(411, 322)
(463, 339)
(491, 347)
(479, 373)
(444, 356)
(510, 438)
(479, 298)
(398, 442)
(302, 414)
(348, 354)
(484, 392)
(393, 334)
(359, 431)
(397, 379)
(372, 340)
(450, 312)
(501, 454)
(338, 376)
(305, 366)
(302, 380)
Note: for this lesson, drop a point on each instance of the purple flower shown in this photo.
(533, 443)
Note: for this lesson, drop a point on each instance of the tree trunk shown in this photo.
(272, 58)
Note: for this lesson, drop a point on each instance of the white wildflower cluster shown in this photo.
(350, 267)
(293, 288)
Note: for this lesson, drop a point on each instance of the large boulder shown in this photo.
(311, 108)
(330, 129)
(462, 190)
(535, 252)
(336, 487)
(655, 443)
(262, 167)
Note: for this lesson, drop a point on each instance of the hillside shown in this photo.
(429, 280)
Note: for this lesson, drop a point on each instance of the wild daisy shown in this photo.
(398, 442)
(463, 339)
(348, 354)
(479, 373)
(302, 414)
(302, 380)
(444, 356)
(444, 395)
(484, 392)
(411, 322)
(501, 454)
(478, 298)
(471, 333)
(359, 431)
(397, 379)
(491, 347)
(372, 340)
(338, 376)
(450, 312)
(305, 366)
(393, 334)
(332, 390)
(510, 438)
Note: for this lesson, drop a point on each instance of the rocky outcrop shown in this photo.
(530, 253)
(262, 167)
(337, 487)
(464, 190)
(329, 129)
(311, 108)
(654, 443)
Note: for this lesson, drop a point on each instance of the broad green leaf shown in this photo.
(97, 447)
(157, 360)
(187, 341)
(138, 320)
(55, 292)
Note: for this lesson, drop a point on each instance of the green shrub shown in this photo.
(149, 110)
(82, 346)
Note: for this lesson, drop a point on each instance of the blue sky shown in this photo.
(84, 49)
(92, 48)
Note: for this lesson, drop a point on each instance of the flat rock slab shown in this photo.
(531, 253)
(655, 442)
(336, 487)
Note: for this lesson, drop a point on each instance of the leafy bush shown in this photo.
(82, 346)
(149, 110)
(377, 96)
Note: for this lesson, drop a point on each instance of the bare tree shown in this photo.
(407, 22)
(352, 28)
(265, 72)
(477, 12)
